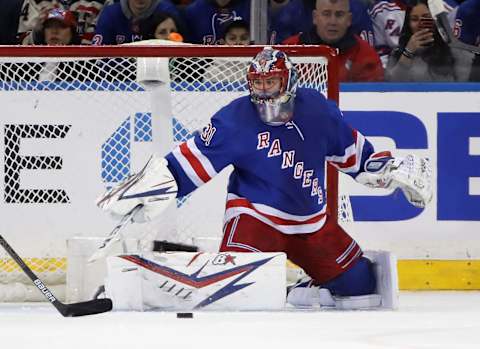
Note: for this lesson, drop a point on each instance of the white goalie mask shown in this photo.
(272, 81)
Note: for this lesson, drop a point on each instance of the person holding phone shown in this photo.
(422, 55)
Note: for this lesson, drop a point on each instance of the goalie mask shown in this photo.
(272, 81)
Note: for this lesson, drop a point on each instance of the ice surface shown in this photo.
(425, 320)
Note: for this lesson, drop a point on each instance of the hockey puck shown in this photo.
(184, 315)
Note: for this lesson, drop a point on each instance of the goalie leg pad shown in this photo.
(189, 281)
(385, 268)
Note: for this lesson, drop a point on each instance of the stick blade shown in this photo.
(96, 306)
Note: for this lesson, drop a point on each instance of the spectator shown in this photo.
(57, 27)
(9, 17)
(161, 25)
(467, 30)
(361, 22)
(85, 11)
(287, 18)
(387, 18)
(206, 19)
(422, 55)
(31, 19)
(332, 26)
(119, 23)
(237, 32)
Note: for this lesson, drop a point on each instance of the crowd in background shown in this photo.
(377, 40)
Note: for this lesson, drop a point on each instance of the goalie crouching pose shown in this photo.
(278, 140)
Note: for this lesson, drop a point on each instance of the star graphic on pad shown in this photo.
(230, 259)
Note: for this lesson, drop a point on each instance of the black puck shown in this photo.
(184, 315)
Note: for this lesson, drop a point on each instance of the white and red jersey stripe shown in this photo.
(282, 221)
(350, 162)
(195, 165)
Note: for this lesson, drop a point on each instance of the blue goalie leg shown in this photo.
(371, 283)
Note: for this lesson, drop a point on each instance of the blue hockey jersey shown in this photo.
(290, 19)
(206, 21)
(279, 171)
(467, 28)
(116, 24)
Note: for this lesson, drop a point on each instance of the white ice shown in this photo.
(425, 320)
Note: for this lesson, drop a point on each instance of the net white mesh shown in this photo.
(199, 86)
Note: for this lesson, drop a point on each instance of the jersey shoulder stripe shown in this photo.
(195, 165)
(351, 160)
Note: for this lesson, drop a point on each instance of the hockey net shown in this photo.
(78, 119)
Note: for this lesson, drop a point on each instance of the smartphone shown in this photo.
(426, 22)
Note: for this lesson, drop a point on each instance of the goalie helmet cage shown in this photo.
(59, 93)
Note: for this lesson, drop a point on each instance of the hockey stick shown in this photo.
(114, 236)
(95, 306)
(439, 14)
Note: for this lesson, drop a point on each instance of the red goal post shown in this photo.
(91, 103)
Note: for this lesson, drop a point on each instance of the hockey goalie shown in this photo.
(278, 140)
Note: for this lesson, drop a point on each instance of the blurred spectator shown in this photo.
(422, 55)
(56, 27)
(467, 29)
(9, 17)
(32, 15)
(361, 22)
(86, 12)
(287, 18)
(119, 23)
(161, 25)
(206, 19)
(59, 28)
(237, 32)
(332, 26)
(387, 18)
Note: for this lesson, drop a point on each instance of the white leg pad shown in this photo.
(385, 267)
(368, 301)
(191, 281)
(124, 287)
